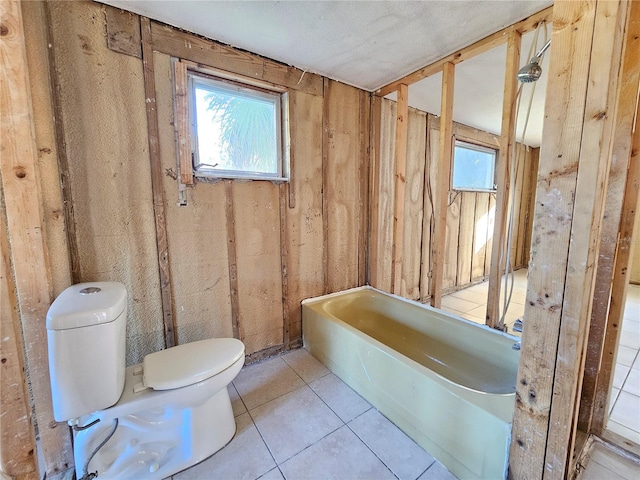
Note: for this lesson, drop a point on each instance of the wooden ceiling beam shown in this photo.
(470, 51)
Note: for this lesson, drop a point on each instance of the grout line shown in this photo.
(371, 450)
(263, 440)
(309, 446)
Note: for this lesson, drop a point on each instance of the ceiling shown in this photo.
(369, 44)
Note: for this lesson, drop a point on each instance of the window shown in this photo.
(236, 130)
(473, 167)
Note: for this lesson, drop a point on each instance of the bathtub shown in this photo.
(446, 382)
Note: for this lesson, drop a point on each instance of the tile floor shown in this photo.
(296, 420)
(471, 303)
(624, 419)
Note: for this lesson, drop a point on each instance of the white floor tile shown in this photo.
(340, 398)
(630, 339)
(437, 471)
(619, 375)
(273, 474)
(626, 411)
(294, 421)
(305, 365)
(260, 383)
(626, 355)
(613, 397)
(338, 456)
(632, 383)
(458, 304)
(246, 445)
(399, 452)
(470, 296)
(636, 364)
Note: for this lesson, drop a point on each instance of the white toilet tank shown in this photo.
(86, 332)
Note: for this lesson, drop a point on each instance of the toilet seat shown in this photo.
(190, 363)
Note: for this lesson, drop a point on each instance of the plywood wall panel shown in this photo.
(480, 237)
(491, 217)
(428, 223)
(304, 221)
(382, 238)
(342, 185)
(257, 238)
(451, 243)
(414, 204)
(465, 237)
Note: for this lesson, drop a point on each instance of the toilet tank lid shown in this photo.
(190, 363)
(86, 304)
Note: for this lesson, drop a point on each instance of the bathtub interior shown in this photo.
(465, 353)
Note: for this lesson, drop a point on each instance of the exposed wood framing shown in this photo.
(61, 149)
(402, 115)
(284, 260)
(503, 176)
(375, 247)
(443, 181)
(325, 180)
(428, 209)
(156, 184)
(233, 264)
(624, 254)
(590, 194)
(191, 47)
(25, 222)
(17, 456)
(568, 214)
(481, 46)
(123, 31)
(599, 362)
(363, 174)
(182, 121)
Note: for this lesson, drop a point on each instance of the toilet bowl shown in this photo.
(144, 421)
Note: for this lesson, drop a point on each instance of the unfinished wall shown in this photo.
(103, 112)
(470, 215)
(242, 255)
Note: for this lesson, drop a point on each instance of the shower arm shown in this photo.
(538, 56)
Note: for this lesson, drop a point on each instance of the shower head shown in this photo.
(531, 71)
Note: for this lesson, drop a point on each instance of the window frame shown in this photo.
(470, 145)
(245, 89)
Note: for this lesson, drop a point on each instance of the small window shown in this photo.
(473, 167)
(236, 130)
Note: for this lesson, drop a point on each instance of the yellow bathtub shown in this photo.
(446, 382)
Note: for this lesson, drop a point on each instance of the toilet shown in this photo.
(145, 421)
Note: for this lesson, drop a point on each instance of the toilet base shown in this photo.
(157, 443)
